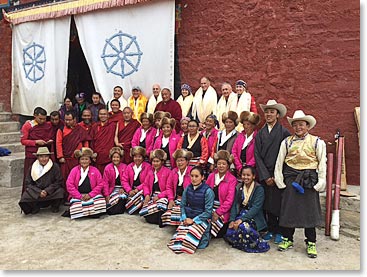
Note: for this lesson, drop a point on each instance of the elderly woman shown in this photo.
(196, 143)
(85, 185)
(184, 126)
(185, 100)
(178, 181)
(156, 189)
(300, 170)
(133, 179)
(244, 146)
(223, 184)
(226, 137)
(114, 193)
(196, 211)
(144, 135)
(168, 140)
(43, 185)
(247, 217)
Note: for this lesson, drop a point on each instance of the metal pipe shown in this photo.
(329, 192)
(334, 228)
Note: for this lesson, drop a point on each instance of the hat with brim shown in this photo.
(272, 104)
(138, 150)
(223, 155)
(159, 154)
(299, 115)
(230, 115)
(84, 152)
(182, 153)
(42, 151)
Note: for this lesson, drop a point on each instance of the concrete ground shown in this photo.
(47, 241)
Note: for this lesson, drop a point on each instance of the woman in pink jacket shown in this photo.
(156, 188)
(168, 141)
(244, 146)
(179, 179)
(133, 179)
(85, 186)
(223, 183)
(144, 135)
(113, 191)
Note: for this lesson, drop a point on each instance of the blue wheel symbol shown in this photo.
(34, 62)
(121, 54)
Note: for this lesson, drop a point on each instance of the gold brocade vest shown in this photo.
(301, 152)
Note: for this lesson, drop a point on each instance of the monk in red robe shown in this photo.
(69, 139)
(86, 122)
(124, 133)
(56, 124)
(169, 105)
(35, 133)
(116, 114)
(103, 135)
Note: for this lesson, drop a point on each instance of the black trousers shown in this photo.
(310, 234)
(273, 223)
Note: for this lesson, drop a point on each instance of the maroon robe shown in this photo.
(70, 143)
(54, 132)
(174, 109)
(115, 117)
(37, 132)
(125, 136)
(102, 142)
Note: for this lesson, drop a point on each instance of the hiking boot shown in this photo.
(311, 249)
(268, 236)
(278, 238)
(285, 245)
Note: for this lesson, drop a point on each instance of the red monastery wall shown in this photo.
(304, 54)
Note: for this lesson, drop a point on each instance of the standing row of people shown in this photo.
(249, 147)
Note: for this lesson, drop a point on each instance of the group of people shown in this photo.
(186, 163)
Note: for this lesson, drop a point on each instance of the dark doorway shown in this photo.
(79, 76)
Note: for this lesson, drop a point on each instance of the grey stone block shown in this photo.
(5, 116)
(9, 126)
(12, 137)
(11, 170)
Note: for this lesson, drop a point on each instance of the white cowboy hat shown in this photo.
(272, 104)
(42, 151)
(300, 115)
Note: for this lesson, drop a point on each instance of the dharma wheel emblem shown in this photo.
(121, 54)
(34, 62)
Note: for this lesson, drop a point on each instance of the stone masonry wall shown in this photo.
(304, 54)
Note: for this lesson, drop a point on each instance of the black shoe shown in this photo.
(66, 213)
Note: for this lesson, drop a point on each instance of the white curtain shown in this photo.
(129, 46)
(40, 52)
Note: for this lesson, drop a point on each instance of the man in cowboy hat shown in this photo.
(301, 171)
(267, 146)
(43, 184)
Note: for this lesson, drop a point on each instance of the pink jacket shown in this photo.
(127, 179)
(226, 192)
(172, 145)
(96, 182)
(149, 140)
(211, 140)
(173, 180)
(109, 175)
(163, 179)
(250, 151)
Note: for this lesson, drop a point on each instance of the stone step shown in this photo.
(11, 170)
(13, 147)
(1, 107)
(5, 116)
(7, 138)
(9, 126)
